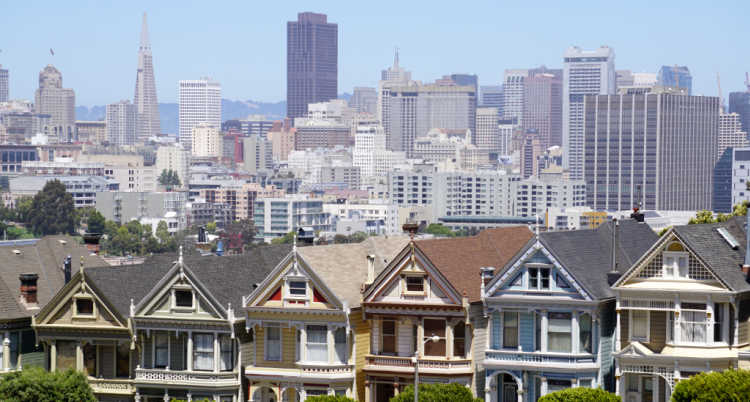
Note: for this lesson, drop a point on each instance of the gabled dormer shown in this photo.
(671, 265)
(536, 272)
(411, 278)
(293, 284)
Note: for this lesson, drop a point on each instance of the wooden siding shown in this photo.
(478, 345)
(526, 332)
(362, 345)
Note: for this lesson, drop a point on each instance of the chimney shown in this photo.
(370, 268)
(67, 265)
(28, 287)
(613, 275)
(487, 274)
(637, 216)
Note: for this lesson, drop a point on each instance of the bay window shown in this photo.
(15, 346)
(584, 333)
(459, 340)
(339, 340)
(317, 343)
(226, 346)
(123, 360)
(537, 332)
(510, 330)
(639, 325)
(434, 327)
(559, 332)
(273, 343)
(203, 352)
(66, 355)
(693, 323)
(719, 315)
(161, 350)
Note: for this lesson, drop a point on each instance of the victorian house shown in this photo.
(423, 312)
(306, 321)
(682, 309)
(551, 312)
(156, 331)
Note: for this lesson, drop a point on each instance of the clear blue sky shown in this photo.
(243, 44)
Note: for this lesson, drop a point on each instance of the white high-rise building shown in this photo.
(585, 72)
(513, 94)
(147, 107)
(207, 141)
(730, 132)
(368, 139)
(4, 84)
(392, 77)
(200, 102)
(173, 157)
(505, 135)
(121, 123)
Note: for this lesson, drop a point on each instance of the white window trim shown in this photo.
(173, 295)
(539, 269)
(676, 271)
(265, 343)
(287, 289)
(648, 327)
(420, 275)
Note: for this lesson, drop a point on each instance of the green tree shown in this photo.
(211, 227)
(23, 209)
(438, 229)
(95, 222)
(286, 239)
(167, 241)
(37, 385)
(741, 209)
(169, 179)
(719, 386)
(329, 398)
(580, 394)
(52, 210)
(704, 216)
(437, 393)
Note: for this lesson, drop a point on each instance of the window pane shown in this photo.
(640, 324)
(459, 339)
(584, 323)
(123, 359)
(161, 350)
(203, 352)
(389, 336)
(414, 284)
(434, 327)
(297, 288)
(66, 355)
(89, 359)
(510, 330)
(273, 343)
(339, 337)
(317, 343)
(559, 332)
(183, 298)
(227, 353)
(718, 322)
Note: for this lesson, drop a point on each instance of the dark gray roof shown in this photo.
(43, 257)
(227, 278)
(587, 254)
(710, 247)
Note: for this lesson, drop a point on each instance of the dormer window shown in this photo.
(675, 261)
(539, 278)
(84, 306)
(183, 298)
(415, 284)
(297, 289)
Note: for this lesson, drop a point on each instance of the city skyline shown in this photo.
(427, 49)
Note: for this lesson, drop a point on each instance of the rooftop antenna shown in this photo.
(747, 81)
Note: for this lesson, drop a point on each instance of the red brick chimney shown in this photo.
(28, 287)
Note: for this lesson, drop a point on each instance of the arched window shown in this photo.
(675, 246)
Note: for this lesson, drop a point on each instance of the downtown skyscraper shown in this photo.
(311, 62)
(3, 84)
(200, 102)
(58, 104)
(146, 105)
(585, 72)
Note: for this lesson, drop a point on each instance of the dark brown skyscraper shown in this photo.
(311, 62)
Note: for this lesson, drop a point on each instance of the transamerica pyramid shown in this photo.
(147, 107)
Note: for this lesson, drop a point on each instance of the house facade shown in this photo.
(551, 315)
(682, 309)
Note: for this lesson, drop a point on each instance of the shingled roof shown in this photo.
(228, 278)
(712, 249)
(460, 259)
(343, 267)
(43, 257)
(587, 254)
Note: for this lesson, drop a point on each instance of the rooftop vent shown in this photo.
(17, 252)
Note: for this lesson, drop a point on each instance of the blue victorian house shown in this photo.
(551, 312)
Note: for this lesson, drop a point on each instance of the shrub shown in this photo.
(580, 394)
(729, 385)
(437, 393)
(37, 385)
(329, 398)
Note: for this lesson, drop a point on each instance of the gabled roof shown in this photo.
(587, 254)
(343, 267)
(43, 257)
(460, 259)
(227, 278)
(710, 247)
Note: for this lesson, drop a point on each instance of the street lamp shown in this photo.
(433, 338)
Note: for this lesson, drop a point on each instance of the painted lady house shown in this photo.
(683, 308)
(551, 312)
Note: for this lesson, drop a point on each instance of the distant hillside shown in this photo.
(169, 112)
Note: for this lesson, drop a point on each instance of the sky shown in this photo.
(242, 44)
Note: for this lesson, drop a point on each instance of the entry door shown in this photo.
(384, 392)
(647, 389)
(509, 393)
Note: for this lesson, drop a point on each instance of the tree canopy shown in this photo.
(328, 398)
(169, 178)
(717, 386)
(37, 385)
(52, 211)
(437, 393)
(580, 394)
